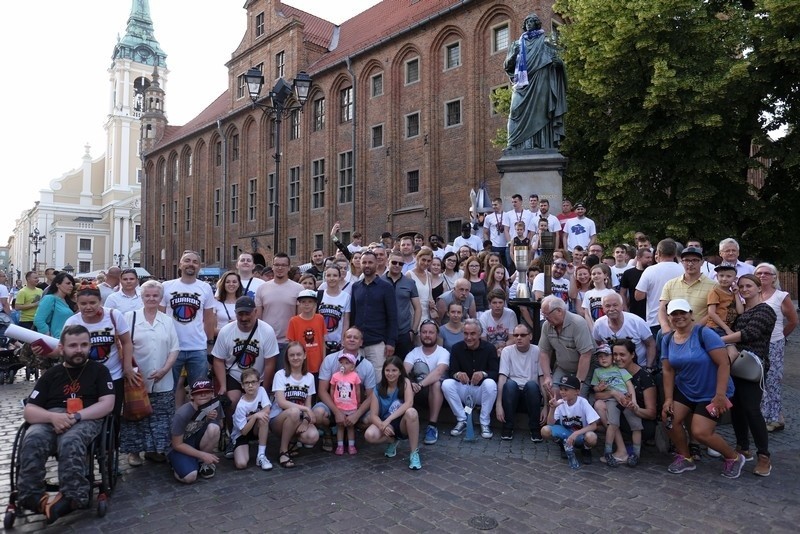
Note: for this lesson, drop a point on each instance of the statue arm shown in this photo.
(511, 59)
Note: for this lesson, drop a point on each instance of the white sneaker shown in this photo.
(713, 453)
(486, 432)
(263, 462)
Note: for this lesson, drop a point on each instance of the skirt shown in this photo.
(151, 434)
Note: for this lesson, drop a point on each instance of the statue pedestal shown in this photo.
(539, 171)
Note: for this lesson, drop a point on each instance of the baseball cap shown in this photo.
(307, 294)
(202, 385)
(570, 382)
(602, 349)
(678, 305)
(244, 304)
(579, 205)
(724, 266)
(347, 356)
(692, 251)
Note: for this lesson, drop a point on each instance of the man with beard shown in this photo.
(64, 412)
(409, 311)
(427, 366)
(618, 324)
(190, 302)
(276, 301)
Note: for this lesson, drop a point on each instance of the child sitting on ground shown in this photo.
(724, 304)
(572, 421)
(608, 378)
(251, 421)
(195, 434)
(345, 387)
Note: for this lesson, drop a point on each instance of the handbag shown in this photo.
(136, 405)
(748, 366)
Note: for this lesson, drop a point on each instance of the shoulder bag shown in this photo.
(136, 405)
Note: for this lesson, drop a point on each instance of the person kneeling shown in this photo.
(251, 421)
(65, 412)
(195, 433)
(572, 421)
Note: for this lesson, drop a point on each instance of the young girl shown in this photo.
(345, 388)
(472, 272)
(497, 279)
(229, 288)
(251, 420)
(291, 415)
(579, 284)
(335, 309)
(308, 281)
(392, 412)
(593, 300)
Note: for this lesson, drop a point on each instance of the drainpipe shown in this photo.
(223, 198)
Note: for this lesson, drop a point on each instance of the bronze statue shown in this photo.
(539, 90)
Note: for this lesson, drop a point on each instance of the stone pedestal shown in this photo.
(539, 171)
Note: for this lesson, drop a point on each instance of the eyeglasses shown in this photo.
(547, 314)
(397, 263)
(764, 273)
(691, 261)
(560, 265)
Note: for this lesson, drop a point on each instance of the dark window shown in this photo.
(412, 71)
(295, 122)
(412, 125)
(452, 56)
(235, 147)
(346, 177)
(294, 189)
(377, 85)
(346, 104)
(280, 64)
(187, 209)
(319, 114)
(259, 24)
(292, 246)
(271, 194)
(252, 199)
(453, 113)
(377, 136)
(217, 206)
(318, 184)
(218, 153)
(234, 203)
(412, 179)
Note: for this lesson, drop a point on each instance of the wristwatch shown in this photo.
(77, 417)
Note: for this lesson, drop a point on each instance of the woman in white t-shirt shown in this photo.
(291, 415)
(229, 288)
(335, 309)
(592, 306)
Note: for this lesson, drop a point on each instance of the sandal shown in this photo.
(327, 442)
(293, 451)
(285, 460)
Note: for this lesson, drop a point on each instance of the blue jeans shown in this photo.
(561, 433)
(512, 395)
(196, 362)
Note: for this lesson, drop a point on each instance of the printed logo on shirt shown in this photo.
(308, 337)
(574, 422)
(332, 314)
(184, 306)
(577, 229)
(296, 394)
(102, 342)
(245, 356)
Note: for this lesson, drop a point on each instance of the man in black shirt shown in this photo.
(628, 281)
(65, 412)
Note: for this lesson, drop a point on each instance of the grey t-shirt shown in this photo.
(364, 369)
(448, 297)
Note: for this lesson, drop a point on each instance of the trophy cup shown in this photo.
(520, 255)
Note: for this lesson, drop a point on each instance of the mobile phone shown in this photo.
(712, 411)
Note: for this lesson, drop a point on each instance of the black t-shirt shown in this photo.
(627, 282)
(641, 381)
(88, 383)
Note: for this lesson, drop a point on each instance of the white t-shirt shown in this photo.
(294, 391)
(224, 312)
(422, 364)
(579, 232)
(278, 304)
(123, 303)
(332, 310)
(185, 303)
(254, 284)
(616, 275)
(103, 337)
(559, 286)
(245, 408)
(521, 367)
(576, 416)
(652, 282)
(493, 221)
(510, 218)
(497, 331)
(474, 242)
(593, 301)
(230, 348)
(553, 224)
(633, 328)
(3, 291)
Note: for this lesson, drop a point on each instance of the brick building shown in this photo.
(396, 130)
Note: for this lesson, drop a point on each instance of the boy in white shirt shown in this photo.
(572, 421)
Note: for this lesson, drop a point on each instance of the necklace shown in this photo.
(73, 382)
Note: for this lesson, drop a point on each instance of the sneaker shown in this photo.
(572, 460)
(263, 462)
(207, 470)
(414, 461)
(733, 468)
(339, 450)
(633, 460)
(695, 452)
(763, 467)
(486, 432)
(134, 460)
(351, 450)
(459, 429)
(507, 434)
(681, 464)
(391, 450)
(56, 507)
(713, 453)
(610, 461)
(431, 435)
(586, 456)
(748, 456)
(229, 449)
(536, 436)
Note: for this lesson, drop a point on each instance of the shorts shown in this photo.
(614, 410)
(183, 464)
(231, 384)
(395, 424)
(560, 432)
(697, 408)
(245, 439)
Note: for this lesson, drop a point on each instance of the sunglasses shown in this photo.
(396, 263)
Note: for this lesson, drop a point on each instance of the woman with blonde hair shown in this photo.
(422, 278)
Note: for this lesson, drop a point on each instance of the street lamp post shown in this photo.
(277, 108)
(69, 269)
(35, 240)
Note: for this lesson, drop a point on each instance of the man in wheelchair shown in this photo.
(65, 412)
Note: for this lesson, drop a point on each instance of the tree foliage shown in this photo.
(666, 99)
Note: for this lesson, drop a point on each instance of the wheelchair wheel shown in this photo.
(8, 520)
(108, 459)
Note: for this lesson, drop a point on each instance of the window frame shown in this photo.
(280, 64)
(373, 79)
(409, 177)
(447, 123)
(294, 189)
(259, 24)
(346, 105)
(318, 183)
(252, 199)
(345, 174)
(319, 114)
(407, 122)
(456, 45)
(373, 130)
(407, 71)
(495, 31)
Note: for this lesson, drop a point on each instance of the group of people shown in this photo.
(364, 338)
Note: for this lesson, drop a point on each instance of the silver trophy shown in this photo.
(521, 259)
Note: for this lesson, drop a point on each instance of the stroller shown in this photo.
(14, 356)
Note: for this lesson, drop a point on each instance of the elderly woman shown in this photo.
(786, 314)
(752, 332)
(155, 349)
(697, 382)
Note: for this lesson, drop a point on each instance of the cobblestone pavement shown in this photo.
(524, 487)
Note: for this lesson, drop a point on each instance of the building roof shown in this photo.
(318, 31)
(217, 109)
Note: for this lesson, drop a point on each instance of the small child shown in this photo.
(345, 388)
(619, 384)
(308, 329)
(195, 434)
(724, 304)
(251, 420)
(572, 421)
(537, 245)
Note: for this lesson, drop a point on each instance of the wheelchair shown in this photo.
(102, 461)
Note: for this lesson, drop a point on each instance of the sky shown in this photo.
(55, 93)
